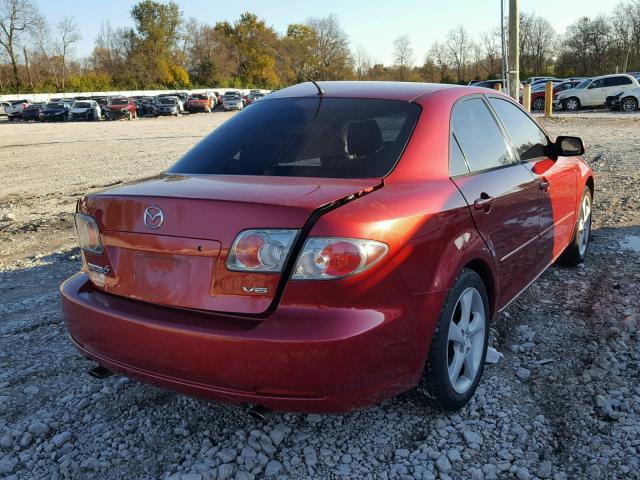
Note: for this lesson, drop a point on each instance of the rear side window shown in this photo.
(307, 137)
(479, 135)
(457, 163)
(527, 138)
(616, 81)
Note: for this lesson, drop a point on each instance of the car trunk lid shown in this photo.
(178, 258)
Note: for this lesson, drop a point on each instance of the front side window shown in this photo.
(479, 136)
(307, 137)
(598, 83)
(527, 138)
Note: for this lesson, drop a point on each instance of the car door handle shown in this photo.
(483, 203)
(543, 185)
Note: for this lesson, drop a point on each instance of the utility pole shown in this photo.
(514, 49)
(504, 47)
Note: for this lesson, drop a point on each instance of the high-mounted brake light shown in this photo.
(334, 257)
(88, 233)
(261, 250)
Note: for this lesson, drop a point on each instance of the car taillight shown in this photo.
(330, 258)
(261, 250)
(88, 233)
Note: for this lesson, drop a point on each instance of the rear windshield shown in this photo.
(199, 97)
(307, 137)
(167, 101)
(55, 106)
(119, 101)
(82, 105)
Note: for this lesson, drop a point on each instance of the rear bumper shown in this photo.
(319, 359)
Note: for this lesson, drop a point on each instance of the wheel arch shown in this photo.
(482, 268)
(591, 184)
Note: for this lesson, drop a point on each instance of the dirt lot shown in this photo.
(563, 403)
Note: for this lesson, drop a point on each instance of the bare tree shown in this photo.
(331, 48)
(491, 51)
(458, 45)
(68, 36)
(403, 55)
(537, 44)
(440, 56)
(363, 62)
(17, 18)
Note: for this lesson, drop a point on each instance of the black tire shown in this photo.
(435, 384)
(572, 104)
(576, 251)
(628, 104)
(538, 103)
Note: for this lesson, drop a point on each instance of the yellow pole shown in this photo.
(526, 97)
(498, 86)
(548, 100)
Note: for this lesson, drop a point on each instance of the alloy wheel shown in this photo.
(584, 225)
(628, 105)
(466, 340)
(538, 103)
(571, 104)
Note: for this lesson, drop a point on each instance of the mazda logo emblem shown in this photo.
(153, 217)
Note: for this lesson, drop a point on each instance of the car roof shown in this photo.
(613, 75)
(364, 89)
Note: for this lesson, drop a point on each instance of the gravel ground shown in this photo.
(564, 402)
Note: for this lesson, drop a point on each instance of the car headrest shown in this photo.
(364, 137)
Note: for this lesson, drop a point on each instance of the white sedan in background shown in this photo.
(232, 102)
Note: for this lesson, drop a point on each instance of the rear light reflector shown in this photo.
(88, 233)
(334, 257)
(261, 250)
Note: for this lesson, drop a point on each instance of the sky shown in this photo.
(372, 24)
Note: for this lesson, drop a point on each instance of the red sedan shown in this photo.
(538, 96)
(322, 252)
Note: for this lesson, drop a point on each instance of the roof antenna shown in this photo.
(300, 71)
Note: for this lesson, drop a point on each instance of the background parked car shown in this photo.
(168, 106)
(55, 111)
(145, 106)
(14, 110)
(33, 112)
(200, 102)
(85, 110)
(120, 107)
(594, 92)
(626, 101)
(2, 106)
(232, 101)
(539, 92)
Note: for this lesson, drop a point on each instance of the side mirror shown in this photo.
(567, 147)
(591, 85)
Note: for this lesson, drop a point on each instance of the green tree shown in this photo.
(251, 44)
(153, 43)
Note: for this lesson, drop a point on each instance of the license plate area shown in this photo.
(158, 277)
